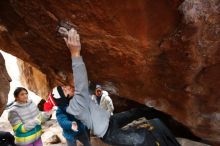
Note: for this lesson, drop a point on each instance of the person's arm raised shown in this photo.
(78, 66)
(73, 43)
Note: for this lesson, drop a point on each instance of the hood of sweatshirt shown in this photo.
(104, 93)
(23, 104)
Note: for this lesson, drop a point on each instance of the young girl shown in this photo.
(26, 119)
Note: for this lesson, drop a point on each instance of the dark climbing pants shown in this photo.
(117, 136)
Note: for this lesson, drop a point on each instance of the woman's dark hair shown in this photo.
(41, 105)
(18, 90)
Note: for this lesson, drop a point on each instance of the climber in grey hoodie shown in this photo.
(102, 124)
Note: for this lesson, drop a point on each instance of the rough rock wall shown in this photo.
(164, 53)
(33, 79)
(4, 84)
(191, 57)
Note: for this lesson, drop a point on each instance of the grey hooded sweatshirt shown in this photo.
(82, 106)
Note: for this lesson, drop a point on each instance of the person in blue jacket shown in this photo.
(73, 129)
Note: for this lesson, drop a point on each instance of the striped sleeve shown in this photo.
(43, 116)
(17, 124)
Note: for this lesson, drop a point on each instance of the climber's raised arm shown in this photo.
(78, 66)
(73, 43)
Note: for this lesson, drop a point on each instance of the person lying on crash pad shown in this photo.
(108, 128)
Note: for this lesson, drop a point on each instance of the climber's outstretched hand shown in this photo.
(73, 42)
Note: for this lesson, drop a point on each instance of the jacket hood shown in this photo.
(22, 104)
(104, 93)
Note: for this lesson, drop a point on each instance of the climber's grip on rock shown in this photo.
(63, 27)
(73, 42)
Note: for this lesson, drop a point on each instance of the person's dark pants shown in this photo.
(6, 139)
(132, 136)
(115, 135)
(83, 138)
